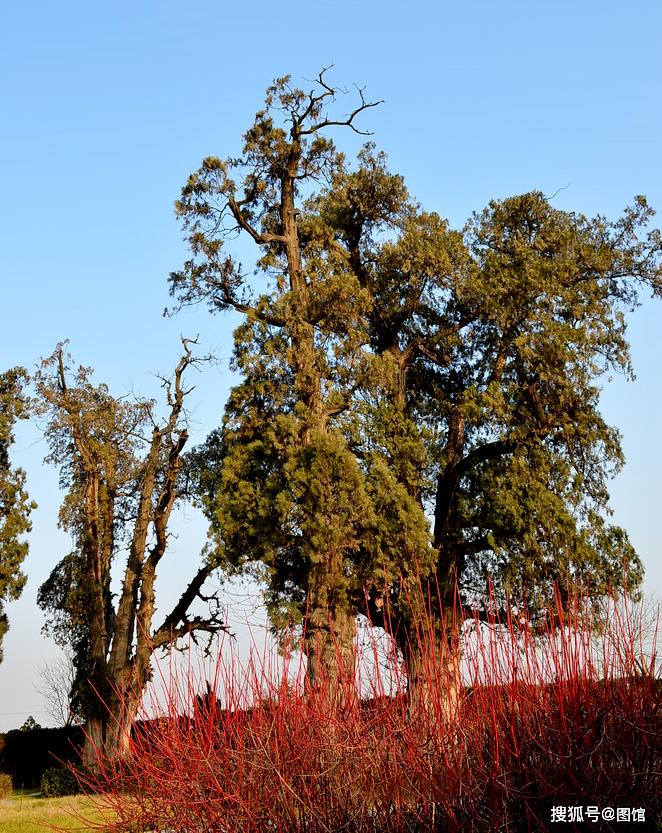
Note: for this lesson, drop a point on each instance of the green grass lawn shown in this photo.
(25, 814)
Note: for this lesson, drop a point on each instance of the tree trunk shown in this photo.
(108, 738)
(118, 729)
(331, 654)
(93, 747)
(429, 641)
(434, 684)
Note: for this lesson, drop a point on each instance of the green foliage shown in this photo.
(415, 400)
(288, 492)
(119, 464)
(29, 725)
(57, 782)
(6, 786)
(95, 439)
(15, 505)
(548, 293)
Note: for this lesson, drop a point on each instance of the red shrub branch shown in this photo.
(569, 717)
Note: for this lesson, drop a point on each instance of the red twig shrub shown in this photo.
(563, 719)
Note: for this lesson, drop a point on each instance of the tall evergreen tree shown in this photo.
(15, 505)
(415, 401)
(500, 337)
(292, 494)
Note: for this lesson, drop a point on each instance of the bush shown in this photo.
(563, 719)
(58, 781)
(27, 754)
(5, 785)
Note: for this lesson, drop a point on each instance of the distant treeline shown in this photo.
(27, 753)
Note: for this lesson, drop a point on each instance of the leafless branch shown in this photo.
(348, 122)
(56, 680)
(262, 239)
(177, 624)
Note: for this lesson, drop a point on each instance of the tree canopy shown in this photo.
(15, 505)
(415, 401)
(120, 469)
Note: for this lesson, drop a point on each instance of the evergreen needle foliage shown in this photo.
(15, 505)
(414, 400)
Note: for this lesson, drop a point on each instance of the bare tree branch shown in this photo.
(348, 122)
(262, 239)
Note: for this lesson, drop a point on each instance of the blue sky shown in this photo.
(108, 107)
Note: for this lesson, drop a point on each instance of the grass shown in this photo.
(25, 814)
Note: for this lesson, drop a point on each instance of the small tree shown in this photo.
(120, 466)
(15, 505)
(57, 680)
(30, 725)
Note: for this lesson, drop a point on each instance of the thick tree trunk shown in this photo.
(330, 625)
(108, 737)
(428, 638)
(434, 684)
(94, 742)
(330, 652)
(330, 630)
(118, 730)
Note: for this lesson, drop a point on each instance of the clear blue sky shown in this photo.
(108, 107)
